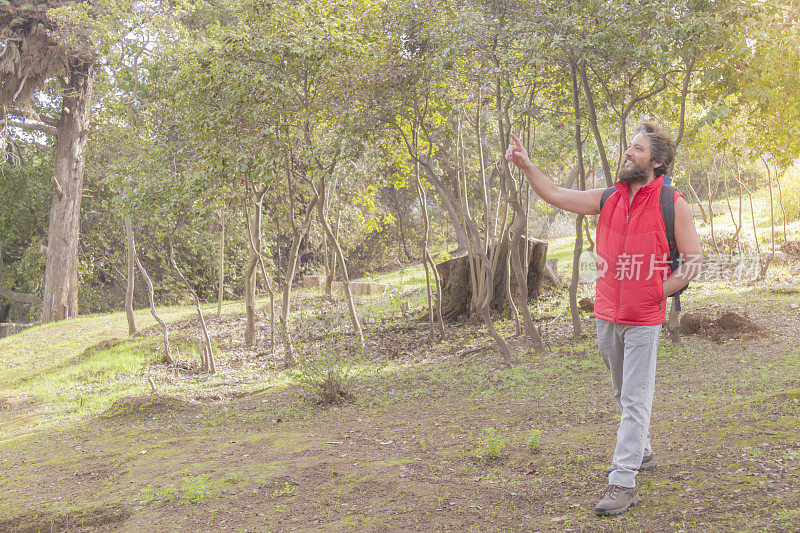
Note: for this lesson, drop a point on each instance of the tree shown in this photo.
(37, 49)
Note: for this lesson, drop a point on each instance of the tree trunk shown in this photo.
(516, 248)
(291, 268)
(481, 127)
(510, 296)
(447, 197)
(771, 206)
(427, 261)
(207, 355)
(780, 202)
(400, 217)
(151, 292)
(221, 287)
(593, 120)
(250, 271)
(340, 257)
(61, 269)
(256, 249)
(457, 288)
(130, 273)
(576, 254)
(461, 235)
(687, 78)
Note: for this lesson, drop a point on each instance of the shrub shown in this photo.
(327, 380)
(491, 446)
(534, 440)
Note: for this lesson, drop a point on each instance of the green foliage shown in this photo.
(287, 490)
(327, 379)
(491, 446)
(534, 440)
(790, 189)
(199, 104)
(193, 489)
(24, 195)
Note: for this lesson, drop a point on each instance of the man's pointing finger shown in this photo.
(517, 142)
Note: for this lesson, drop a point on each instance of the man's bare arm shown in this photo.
(580, 202)
(689, 247)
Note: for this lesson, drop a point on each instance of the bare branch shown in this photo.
(33, 115)
(27, 126)
(18, 297)
(19, 89)
(57, 186)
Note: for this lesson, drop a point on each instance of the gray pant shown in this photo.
(629, 352)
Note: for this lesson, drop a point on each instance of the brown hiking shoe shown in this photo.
(648, 463)
(617, 500)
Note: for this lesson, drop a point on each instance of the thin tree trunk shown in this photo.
(422, 200)
(741, 224)
(221, 287)
(752, 210)
(340, 256)
(780, 201)
(458, 228)
(256, 250)
(509, 293)
(334, 262)
(771, 205)
(696, 198)
(593, 120)
(330, 258)
(326, 262)
(462, 168)
(438, 302)
(516, 249)
(475, 248)
(430, 266)
(130, 273)
(711, 209)
(60, 299)
(291, 269)
(250, 272)
(577, 327)
(400, 217)
(481, 121)
(687, 77)
(207, 356)
(151, 293)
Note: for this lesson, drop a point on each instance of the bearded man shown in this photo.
(632, 287)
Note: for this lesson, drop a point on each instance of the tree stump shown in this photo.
(457, 288)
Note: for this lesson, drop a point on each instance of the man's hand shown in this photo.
(518, 155)
(581, 202)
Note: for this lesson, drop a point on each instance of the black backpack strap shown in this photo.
(668, 214)
(606, 195)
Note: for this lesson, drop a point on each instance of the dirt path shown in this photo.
(402, 456)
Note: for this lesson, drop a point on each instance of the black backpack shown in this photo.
(668, 214)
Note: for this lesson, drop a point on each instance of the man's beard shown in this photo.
(634, 174)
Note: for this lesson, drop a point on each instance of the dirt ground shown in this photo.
(256, 455)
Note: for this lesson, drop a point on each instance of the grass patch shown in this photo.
(534, 440)
(190, 490)
(491, 446)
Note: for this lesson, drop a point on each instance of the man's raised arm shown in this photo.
(580, 202)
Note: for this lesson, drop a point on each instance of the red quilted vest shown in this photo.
(634, 254)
